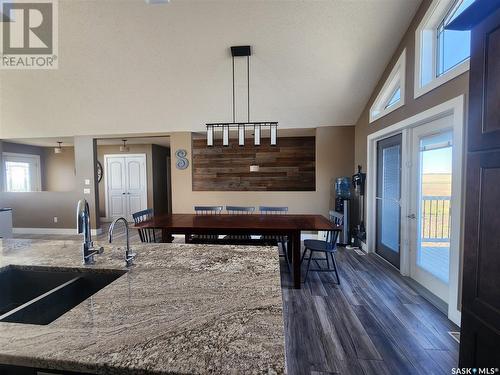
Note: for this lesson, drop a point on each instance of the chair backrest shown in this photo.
(145, 234)
(268, 210)
(336, 218)
(239, 210)
(143, 215)
(208, 210)
(332, 236)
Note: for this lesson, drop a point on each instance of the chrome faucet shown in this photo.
(129, 257)
(83, 227)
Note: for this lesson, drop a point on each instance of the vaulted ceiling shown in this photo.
(129, 66)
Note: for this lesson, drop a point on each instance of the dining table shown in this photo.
(290, 225)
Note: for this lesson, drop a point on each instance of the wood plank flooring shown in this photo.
(373, 323)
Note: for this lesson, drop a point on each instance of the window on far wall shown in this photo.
(391, 95)
(22, 172)
(440, 54)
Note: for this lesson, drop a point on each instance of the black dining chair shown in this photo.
(239, 238)
(204, 238)
(328, 247)
(270, 239)
(145, 234)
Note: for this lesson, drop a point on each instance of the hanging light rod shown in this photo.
(242, 51)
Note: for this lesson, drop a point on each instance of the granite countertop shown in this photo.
(181, 308)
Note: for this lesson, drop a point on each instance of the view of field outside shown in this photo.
(434, 245)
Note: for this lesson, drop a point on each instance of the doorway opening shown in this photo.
(133, 176)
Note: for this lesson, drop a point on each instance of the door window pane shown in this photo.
(433, 251)
(390, 197)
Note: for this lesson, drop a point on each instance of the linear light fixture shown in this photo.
(241, 128)
(242, 51)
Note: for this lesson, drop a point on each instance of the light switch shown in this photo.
(86, 191)
(87, 181)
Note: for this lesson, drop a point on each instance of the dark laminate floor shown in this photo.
(373, 323)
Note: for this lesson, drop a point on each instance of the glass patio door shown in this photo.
(430, 217)
(388, 197)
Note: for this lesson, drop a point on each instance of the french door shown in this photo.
(430, 205)
(388, 196)
(126, 185)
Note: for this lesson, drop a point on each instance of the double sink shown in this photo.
(40, 295)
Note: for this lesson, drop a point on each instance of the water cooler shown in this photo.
(343, 205)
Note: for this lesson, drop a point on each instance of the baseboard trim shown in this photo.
(62, 231)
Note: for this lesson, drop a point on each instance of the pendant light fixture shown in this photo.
(58, 149)
(124, 147)
(242, 51)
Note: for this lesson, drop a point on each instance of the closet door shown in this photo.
(116, 187)
(136, 194)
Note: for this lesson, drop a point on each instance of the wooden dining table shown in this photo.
(253, 224)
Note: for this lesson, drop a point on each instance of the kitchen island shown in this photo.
(180, 308)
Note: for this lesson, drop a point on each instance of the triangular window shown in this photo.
(391, 96)
(395, 98)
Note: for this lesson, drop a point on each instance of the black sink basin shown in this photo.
(39, 295)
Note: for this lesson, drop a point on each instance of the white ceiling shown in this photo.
(126, 66)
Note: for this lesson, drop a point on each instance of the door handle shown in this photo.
(411, 216)
(124, 193)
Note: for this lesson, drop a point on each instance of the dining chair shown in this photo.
(146, 234)
(239, 210)
(204, 238)
(270, 239)
(328, 247)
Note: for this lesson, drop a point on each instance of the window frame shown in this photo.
(36, 178)
(397, 78)
(426, 48)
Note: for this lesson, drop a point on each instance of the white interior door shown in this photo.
(136, 194)
(126, 185)
(430, 206)
(115, 178)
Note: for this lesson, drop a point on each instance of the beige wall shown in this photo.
(133, 149)
(449, 90)
(38, 209)
(59, 170)
(334, 157)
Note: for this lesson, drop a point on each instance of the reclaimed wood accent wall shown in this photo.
(289, 166)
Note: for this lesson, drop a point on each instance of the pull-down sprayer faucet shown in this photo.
(83, 227)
